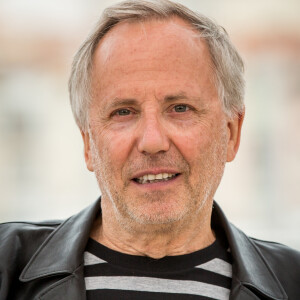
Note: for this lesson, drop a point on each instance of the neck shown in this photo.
(156, 241)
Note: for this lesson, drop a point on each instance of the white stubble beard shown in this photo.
(131, 218)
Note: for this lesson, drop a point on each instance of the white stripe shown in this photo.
(219, 266)
(148, 284)
(91, 259)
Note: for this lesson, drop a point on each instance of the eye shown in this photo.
(123, 112)
(181, 108)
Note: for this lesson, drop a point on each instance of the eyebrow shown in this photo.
(172, 98)
(117, 102)
(181, 96)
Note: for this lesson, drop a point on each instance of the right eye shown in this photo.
(181, 108)
(122, 112)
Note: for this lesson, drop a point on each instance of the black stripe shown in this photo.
(135, 295)
(226, 256)
(166, 264)
(195, 274)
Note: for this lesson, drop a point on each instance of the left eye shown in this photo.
(181, 108)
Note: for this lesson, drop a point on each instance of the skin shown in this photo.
(155, 109)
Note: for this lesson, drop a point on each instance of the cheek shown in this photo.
(192, 144)
(114, 148)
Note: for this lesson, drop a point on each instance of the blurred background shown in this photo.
(42, 169)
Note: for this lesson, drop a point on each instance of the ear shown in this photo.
(87, 150)
(234, 129)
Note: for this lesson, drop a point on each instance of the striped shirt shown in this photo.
(204, 274)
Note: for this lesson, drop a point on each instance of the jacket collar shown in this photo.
(62, 253)
(249, 266)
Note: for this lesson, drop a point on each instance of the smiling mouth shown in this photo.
(151, 178)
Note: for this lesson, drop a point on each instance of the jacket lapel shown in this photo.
(62, 255)
(251, 273)
(70, 287)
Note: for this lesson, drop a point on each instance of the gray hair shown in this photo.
(228, 65)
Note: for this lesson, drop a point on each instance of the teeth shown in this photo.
(149, 178)
(159, 176)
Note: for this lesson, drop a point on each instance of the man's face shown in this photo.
(158, 138)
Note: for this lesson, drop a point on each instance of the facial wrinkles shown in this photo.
(103, 170)
(204, 189)
(215, 154)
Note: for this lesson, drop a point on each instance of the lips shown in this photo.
(154, 176)
(151, 178)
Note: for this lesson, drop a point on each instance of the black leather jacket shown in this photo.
(45, 261)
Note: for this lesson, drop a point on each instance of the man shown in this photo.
(157, 92)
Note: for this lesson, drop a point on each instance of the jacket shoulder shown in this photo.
(279, 253)
(11, 230)
(23, 235)
(19, 240)
(283, 261)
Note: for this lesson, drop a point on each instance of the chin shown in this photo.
(158, 215)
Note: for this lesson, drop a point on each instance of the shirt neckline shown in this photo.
(217, 249)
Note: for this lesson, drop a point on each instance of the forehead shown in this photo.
(150, 51)
(146, 35)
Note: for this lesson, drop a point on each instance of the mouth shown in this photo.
(154, 178)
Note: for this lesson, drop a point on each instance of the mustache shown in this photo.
(159, 160)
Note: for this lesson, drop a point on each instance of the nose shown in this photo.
(152, 136)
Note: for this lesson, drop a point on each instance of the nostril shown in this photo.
(147, 153)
